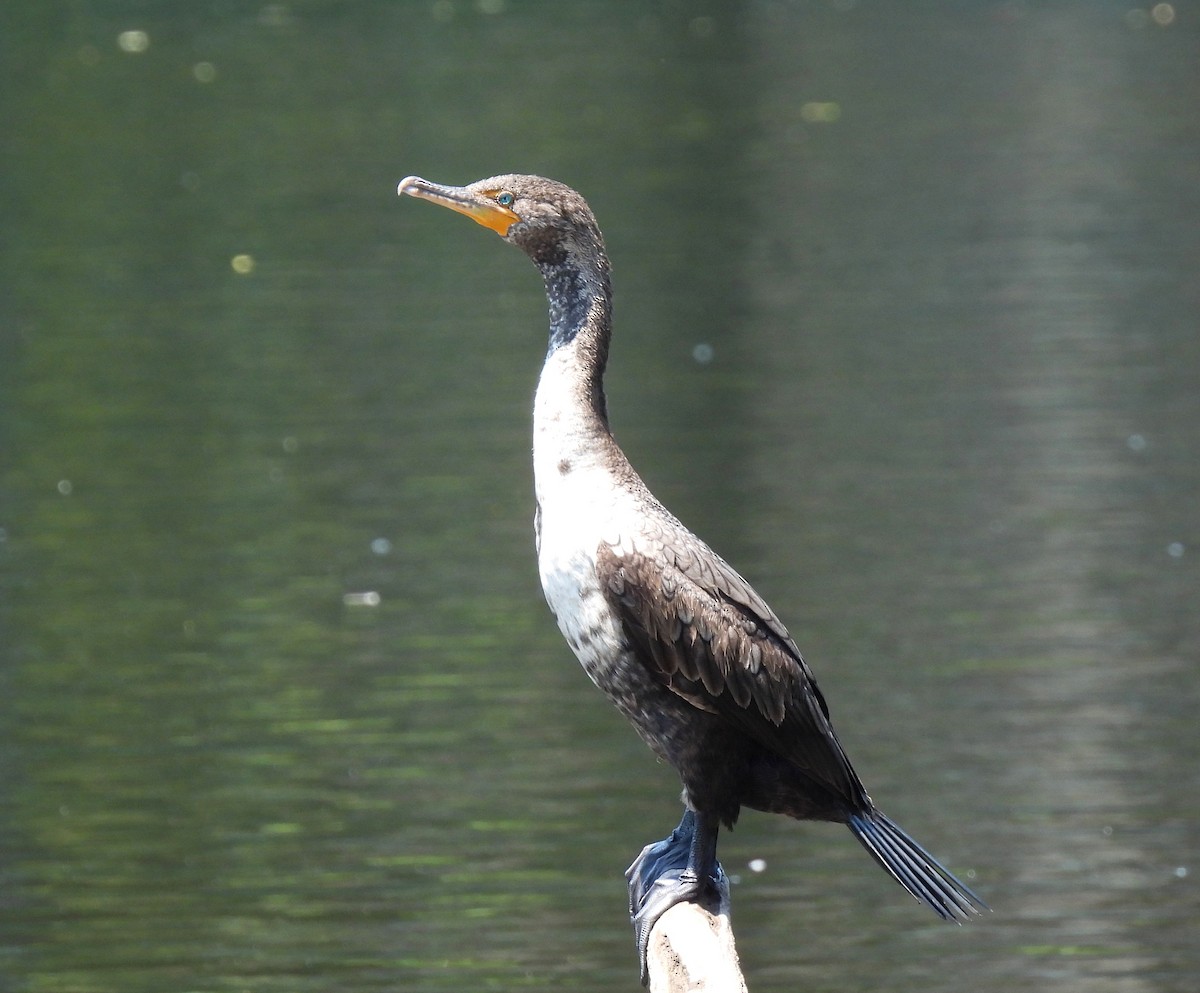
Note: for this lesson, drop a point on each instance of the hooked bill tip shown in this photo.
(409, 185)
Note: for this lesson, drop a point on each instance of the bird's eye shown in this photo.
(505, 199)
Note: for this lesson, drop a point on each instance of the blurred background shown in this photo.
(906, 327)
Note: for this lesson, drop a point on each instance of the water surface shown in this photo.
(906, 329)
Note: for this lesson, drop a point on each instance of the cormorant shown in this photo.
(680, 642)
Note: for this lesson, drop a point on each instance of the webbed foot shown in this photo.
(672, 871)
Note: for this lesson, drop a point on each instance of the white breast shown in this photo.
(580, 506)
(577, 515)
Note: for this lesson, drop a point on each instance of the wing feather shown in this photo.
(717, 644)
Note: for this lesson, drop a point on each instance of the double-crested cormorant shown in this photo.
(681, 643)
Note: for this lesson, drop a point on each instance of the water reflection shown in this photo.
(935, 319)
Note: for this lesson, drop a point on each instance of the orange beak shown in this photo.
(481, 209)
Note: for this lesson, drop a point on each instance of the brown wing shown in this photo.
(714, 641)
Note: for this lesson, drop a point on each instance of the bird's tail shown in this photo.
(914, 868)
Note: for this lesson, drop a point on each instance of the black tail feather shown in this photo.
(914, 868)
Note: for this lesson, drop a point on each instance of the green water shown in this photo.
(906, 328)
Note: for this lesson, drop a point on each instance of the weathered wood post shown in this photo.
(691, 948)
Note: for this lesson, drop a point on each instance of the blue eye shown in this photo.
(505, 199)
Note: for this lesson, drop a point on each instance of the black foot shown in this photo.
(662, 876)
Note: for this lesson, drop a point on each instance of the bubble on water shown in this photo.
(133, 42)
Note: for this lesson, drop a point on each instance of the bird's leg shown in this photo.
(678, 869)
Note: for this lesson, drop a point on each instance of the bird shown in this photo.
(683, 646)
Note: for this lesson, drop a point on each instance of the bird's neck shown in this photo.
(580, 300)
(570, 413)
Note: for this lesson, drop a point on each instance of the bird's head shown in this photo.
(549, 221)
